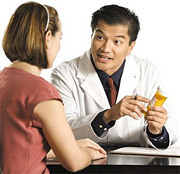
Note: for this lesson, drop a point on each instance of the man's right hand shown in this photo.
(127, 106)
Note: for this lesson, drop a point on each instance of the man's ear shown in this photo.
(47, 39)
(131, 48)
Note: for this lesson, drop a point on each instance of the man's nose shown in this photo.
(107, 46)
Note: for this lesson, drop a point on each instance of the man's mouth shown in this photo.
(104, 57)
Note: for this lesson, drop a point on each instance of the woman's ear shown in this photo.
(47, 39)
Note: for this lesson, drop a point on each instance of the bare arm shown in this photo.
(61, 139)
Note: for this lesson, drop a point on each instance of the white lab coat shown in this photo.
(84, 97)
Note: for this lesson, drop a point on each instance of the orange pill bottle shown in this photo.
(158, 99)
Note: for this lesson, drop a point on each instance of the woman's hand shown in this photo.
(87, 143)
(95, 154)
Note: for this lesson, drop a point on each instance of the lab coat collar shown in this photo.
(91, 82)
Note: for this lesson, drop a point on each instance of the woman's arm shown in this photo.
(61, 139)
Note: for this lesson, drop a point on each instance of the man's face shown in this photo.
(110, 46)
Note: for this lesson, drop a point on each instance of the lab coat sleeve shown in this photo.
(64, 79)
(170, 126)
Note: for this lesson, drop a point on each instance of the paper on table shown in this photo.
(171, 151)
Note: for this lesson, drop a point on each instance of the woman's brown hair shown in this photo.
(24, 38)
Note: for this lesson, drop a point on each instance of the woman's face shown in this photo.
(53, 45)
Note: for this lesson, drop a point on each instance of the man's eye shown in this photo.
(117, 42)
(100, 38)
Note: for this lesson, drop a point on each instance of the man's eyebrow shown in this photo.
(99, 30)
(119, 36)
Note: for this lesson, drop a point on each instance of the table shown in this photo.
(125, 164)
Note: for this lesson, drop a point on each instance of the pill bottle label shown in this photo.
(158, 99)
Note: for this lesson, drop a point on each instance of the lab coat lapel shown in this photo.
(91, 82)
(128, 85)
(129, 79)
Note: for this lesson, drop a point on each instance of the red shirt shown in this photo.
(23, 147)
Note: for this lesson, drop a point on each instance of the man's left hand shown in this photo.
(156, 118)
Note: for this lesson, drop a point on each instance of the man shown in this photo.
(98, 89)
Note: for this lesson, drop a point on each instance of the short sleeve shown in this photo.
(43, 92)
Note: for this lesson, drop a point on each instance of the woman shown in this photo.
(32, 114)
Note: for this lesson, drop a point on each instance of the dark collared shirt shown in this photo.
(104, 79)
(98, 124)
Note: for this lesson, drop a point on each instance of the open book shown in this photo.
(171, 151)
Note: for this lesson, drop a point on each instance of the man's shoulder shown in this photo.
(73, 64)
(67, 66)
(140, 62)
(69, 63)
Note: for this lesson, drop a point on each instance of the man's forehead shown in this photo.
(113, 30)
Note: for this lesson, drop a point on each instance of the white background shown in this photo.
(158, 40)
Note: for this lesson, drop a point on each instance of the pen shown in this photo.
(135, 97)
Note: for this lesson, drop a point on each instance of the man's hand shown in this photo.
(129, 105)
(156, 118)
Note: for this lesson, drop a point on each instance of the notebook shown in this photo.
(171, 151)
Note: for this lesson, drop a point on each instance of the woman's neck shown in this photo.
(26, 67)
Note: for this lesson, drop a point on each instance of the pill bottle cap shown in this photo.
(161, 91)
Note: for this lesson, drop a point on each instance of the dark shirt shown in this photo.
(98, 124)
(116, 77)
